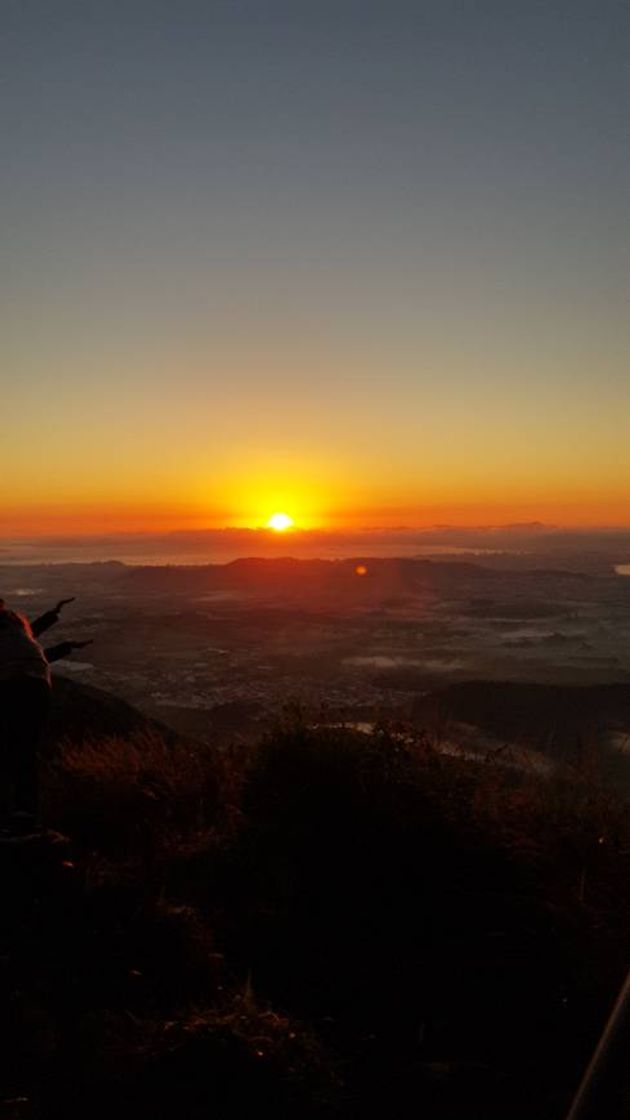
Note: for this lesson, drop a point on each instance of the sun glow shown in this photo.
(280, 522)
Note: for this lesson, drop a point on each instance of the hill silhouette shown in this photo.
(290, 577)
(551, 718)
(80, 712)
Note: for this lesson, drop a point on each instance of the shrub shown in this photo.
(427, 910)
(226, 1061)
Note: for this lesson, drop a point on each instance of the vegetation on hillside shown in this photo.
(333, 924)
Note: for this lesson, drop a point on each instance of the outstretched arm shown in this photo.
(64, 649)
(49, 618)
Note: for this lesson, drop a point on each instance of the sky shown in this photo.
(363, 262)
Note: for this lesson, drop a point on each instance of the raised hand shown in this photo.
(63, 603)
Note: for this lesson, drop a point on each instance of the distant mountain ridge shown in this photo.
(361, 576)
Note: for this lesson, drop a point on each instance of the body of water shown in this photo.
(143, 551)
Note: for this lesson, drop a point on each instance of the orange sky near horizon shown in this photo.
(88, 520)
(174, 460)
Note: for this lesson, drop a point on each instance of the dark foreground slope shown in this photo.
(333, 925)
(81, 712)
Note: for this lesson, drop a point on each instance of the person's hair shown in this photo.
(13, 618)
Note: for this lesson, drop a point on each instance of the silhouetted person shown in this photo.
(25, 690)
(24, 704)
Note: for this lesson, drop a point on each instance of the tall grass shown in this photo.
(331, 923)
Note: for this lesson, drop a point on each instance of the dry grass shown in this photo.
(396, 911)
(131, 796)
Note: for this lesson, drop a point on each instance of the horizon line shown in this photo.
(533, 527)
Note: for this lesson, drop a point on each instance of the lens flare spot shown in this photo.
(360, 570)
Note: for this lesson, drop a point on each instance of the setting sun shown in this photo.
(280, 522)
